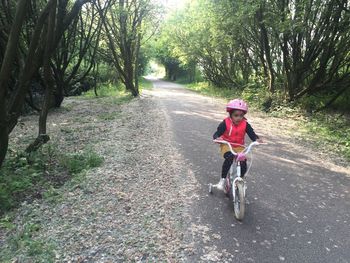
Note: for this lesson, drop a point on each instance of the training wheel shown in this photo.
(210, 189)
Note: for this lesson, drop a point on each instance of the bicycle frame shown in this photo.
(239, 158)
(234, 183)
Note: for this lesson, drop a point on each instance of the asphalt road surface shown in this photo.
(299, 208)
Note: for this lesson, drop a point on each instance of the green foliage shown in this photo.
(108, 116)
(25, 176)
(119, 100)
(155, 69)
(267, 53)
(21, 175)
(343, 102)
(114, 94)
(187, 78)
(165, 49)
(331, 132)
(32, 250)
(315, 102)
(6, 221)
(106, 73)
(77, 162)
(145, 84)
(211, 90)
(328, 130)
(107, 89)
(52, 195)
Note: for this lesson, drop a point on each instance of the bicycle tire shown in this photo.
(239, 202)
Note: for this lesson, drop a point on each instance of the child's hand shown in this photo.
(260, 140)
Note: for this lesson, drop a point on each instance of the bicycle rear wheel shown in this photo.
(239, 201)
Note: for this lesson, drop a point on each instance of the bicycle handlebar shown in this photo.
(245, 151)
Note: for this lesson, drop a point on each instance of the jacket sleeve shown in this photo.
(220, 130)
(250, 131)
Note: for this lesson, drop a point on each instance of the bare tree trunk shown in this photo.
(32, 64)
(129, 82)
(265, 47)
(49, 83)
(137, 54)
(48, 78)
(5, 74)
(59, 93)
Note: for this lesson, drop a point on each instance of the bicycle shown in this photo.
(238, 192)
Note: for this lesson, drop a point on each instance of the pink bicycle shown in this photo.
(238, 192)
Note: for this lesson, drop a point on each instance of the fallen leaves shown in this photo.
(133, 207)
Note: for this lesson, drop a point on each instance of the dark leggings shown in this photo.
(228, 162)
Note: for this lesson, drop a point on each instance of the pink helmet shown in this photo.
(237, 104)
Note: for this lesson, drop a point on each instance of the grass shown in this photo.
(77, 162)
(36, 175)
(145, 84)
(42, 251)
(107, 89)
(108, 116)
(116, 92)
(330, 131)
(24, 176)
(22, 244)
(209, 90)
(112, 94)
(40, 175)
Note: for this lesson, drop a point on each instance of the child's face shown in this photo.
(237, 116)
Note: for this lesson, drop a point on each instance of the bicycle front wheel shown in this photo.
(239, 201)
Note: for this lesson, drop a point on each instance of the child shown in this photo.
(233, 130)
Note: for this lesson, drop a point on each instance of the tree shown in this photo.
(297, 48)
(122, 22)
(46, 28)
(78, 44)
(5, 74)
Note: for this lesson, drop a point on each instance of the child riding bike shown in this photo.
(233, 130)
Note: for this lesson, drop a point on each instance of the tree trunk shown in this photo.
(48, 75)
(4, 138)
(5, 74)
(167, 72)
(265, 46)
(58, 94)
(32, 64)
(129, 85)
(129, 76)
(137, 54)
(293, 84)
(48, 80)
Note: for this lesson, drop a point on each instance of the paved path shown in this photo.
(299, 208)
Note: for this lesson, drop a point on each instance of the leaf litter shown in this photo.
(133, 208)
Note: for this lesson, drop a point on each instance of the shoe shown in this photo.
(221, 184)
